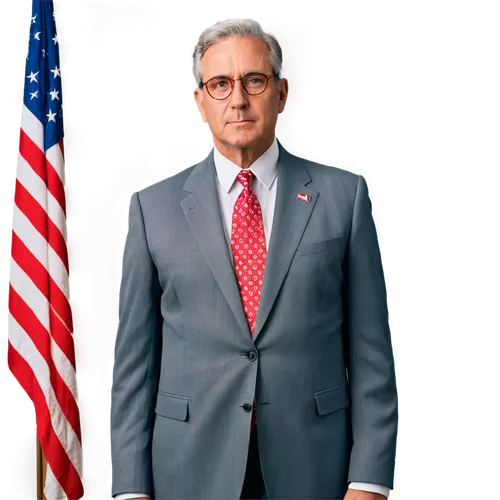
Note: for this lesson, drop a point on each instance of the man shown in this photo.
(253, 356)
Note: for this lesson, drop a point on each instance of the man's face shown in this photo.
(235, 57)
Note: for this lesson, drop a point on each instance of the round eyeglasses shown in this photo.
(221, 87)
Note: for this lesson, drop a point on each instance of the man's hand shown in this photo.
(353, 494)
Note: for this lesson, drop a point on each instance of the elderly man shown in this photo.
(253, 356)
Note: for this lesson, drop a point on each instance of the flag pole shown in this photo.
(41, 471)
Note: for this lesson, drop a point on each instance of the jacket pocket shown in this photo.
(172, 406)
(319, 246)
(332, 399)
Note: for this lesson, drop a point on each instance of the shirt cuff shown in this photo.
(127, 496)
(375, 488)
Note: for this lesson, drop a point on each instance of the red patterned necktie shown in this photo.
(248, 243)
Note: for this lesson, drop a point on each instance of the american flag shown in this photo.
(304, 197)
(41, 351)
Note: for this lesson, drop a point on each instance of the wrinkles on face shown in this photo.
(257, 114)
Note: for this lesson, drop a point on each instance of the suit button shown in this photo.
(247, 407)
(251, 355)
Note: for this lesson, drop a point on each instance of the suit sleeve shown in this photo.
(136, 362)
(368, 351)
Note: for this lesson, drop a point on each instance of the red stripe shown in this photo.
(29, 322)
(61, 145)
(41, 166)
(56, 456)
(42, 222)
(43, 281)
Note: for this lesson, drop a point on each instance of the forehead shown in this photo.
(235, 55)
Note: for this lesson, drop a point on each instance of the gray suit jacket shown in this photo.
(320, 363)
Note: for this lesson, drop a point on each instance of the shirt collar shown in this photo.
(265, 167)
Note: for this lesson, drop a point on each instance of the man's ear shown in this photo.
(198, 97)
(283, 93)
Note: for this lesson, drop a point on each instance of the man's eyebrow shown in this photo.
(244, 74)
(219, 76)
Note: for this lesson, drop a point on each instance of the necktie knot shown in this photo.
(245, 176)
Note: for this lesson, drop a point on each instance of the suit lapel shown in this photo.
(202, 211)
(289, 222)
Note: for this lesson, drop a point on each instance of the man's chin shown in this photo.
(240, 141)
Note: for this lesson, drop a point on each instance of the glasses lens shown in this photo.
(255, 83)
(219, 87)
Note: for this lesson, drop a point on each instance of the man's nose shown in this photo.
(239, 97)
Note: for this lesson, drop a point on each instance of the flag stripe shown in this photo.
(32, 127)
(38, 217)
(42, 279)
(65, 472)
(44, 253)
(55, 208)
(28, 321)
(55, 156)
(35, 158)
(50, 321)
(64, 432)
(33, 183)
(52, 487)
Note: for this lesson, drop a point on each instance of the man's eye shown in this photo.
(254, 80)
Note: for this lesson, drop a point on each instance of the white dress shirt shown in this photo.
(264, 185)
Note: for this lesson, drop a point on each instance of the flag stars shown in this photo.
(34, 95)
(54, 94)
(32, 77)
(55, 39)
(37, 35)
(33, 19)
(56, 71)
(52, 116)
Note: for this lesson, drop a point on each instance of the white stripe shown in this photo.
(34, 130)
(37, 188)
(37, 302)
(53, 490)
(55, 157)
(38, 246)
(23, 344)
(32, 127)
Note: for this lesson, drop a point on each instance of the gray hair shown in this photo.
(240, 28)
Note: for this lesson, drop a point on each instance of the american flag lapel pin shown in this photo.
(304, 197)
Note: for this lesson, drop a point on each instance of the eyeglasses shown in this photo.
(221, 87)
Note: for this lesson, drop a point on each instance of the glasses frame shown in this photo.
(234, 80)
